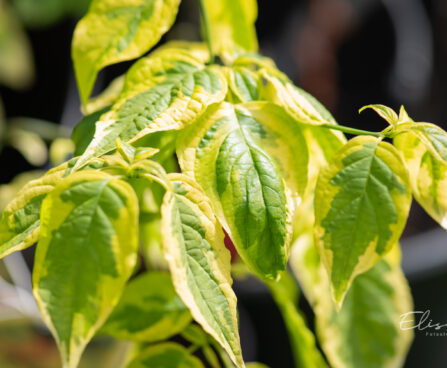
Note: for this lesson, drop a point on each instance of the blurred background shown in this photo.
(347, 53)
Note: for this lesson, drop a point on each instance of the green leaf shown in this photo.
(303, 343)
(115, 31)
(86, 253)
(428, 176)
(362, 201)
(165, 355)
(170, 105)
(366, 331)
(243, 84)
(149, 310)
(200, 263)
(251, 160)
(106, 98)
(20, 221)
(385, 112)
(432, 137)
(232, 26)
(85, 130)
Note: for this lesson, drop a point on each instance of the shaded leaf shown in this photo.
(149, 310)
(366, 331)
(165, 355)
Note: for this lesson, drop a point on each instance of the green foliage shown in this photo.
(149, 310)
(259, 158)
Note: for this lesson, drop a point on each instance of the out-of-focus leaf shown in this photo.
(16, 60)
(165, 355)
(149, 310)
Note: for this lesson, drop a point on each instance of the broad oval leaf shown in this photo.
(149, 310)
(199, 262)
(86, 253)
(252, 163)
(231, 26)
(169, 105)
(115, 31)
(366, 331)
(20, 221)
(165, 355)
(362, 200)
(428, 176)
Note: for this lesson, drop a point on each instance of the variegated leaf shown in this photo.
(20, 221)
(114, 31)
(362, 201)
(172, 104)
(231, 26)
(251, 161)
(86, 253)
(428, 176)
(200, 263)
(366, 331)
(149, 310)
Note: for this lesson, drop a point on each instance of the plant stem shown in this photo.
(206, 25)
(352, 131)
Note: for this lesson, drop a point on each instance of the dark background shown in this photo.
(347, 53)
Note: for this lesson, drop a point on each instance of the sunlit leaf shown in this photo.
(170, 105)
(86, 253)
(362, 201)
(200, 263)
(20, 221)
(252, 163)
(232, 26)
(428, 176)
(112, 32)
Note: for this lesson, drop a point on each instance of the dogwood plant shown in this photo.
(200, 145)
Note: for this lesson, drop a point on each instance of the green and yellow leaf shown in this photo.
(149, 310)
(174, 103)
(243, 85)
(251, 160)
(366, 331)
(232, 26)
(428, 176)
(20, 221)
(302, 106)
(362, 200)
(200, 263)
(165, 355)
(86, 253)
(386, 113)
(112, 32)
(432, 137)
